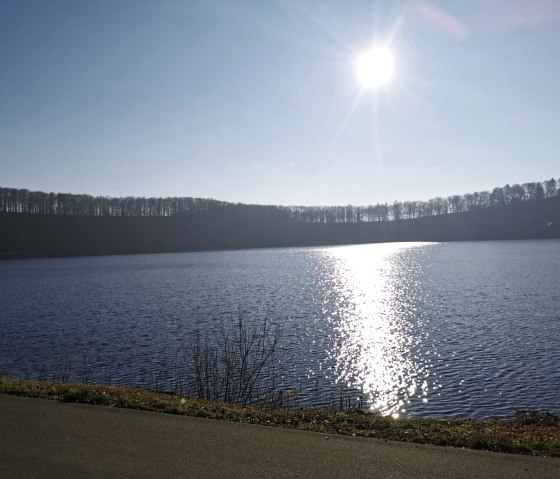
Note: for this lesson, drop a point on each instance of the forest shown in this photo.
(36, 224)
(14, 200)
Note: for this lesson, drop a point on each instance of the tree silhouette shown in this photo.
(23, 201)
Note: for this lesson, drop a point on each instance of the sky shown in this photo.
(259, 102)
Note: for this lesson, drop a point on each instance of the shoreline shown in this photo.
(527, 432)
(5, 257)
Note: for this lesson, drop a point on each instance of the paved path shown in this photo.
(48, 439)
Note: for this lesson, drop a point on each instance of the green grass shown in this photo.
(527, 432)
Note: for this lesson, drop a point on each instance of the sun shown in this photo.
(375, 67)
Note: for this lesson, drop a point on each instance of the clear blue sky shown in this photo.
(259, 101)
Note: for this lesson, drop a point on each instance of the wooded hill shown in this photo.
(36, 224)
(229, 226)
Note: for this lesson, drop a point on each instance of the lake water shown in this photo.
(416, 329)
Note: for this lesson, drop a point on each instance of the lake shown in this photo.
(414, 329)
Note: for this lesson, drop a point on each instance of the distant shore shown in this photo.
(25, 235)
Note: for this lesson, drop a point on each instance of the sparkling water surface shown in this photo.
(415, 329)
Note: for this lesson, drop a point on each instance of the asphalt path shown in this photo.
(49, 439)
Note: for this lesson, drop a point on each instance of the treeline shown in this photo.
(14, 200)
(499, 196)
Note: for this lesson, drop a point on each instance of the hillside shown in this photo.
(42, 235)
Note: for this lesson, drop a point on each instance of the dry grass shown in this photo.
(527, 432)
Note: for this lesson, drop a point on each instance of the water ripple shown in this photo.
(415, 329)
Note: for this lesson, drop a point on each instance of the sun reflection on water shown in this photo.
(377, 330)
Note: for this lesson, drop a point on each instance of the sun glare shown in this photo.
(375, 68)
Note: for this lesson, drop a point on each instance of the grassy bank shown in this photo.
(527, 432)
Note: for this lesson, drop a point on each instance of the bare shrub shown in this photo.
(237, 363)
